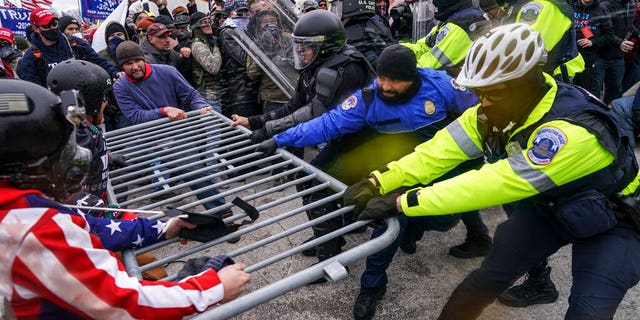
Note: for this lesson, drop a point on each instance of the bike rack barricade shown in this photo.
(170, 163)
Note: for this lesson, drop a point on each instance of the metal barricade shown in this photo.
(216, 161)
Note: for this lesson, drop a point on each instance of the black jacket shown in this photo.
(596, 18)
(622, 14)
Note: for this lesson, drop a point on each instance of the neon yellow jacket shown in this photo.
(452, 41)
(448, 51)
(507, 180)
(545, 17)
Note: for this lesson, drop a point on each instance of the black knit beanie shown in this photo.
(114, 27)
(65, 21)
(397, 62)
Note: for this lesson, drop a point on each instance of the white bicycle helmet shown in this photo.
(504, 53)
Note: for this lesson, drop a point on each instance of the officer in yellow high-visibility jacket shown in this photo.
(448, 42)
(554, 20)
(555, 154)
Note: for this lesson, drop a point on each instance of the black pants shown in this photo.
(604, 266)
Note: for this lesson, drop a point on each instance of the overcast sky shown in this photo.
(65, 4)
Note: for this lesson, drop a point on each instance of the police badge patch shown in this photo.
(530, 12)
(441, 34)
(350, 103)
(429, 107)
(546, 144)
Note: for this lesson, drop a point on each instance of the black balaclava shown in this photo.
(522, 97)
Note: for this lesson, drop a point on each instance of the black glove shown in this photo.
(267, 146)
(359, 194)
(209, 227)
(117, 161)
(259, 135)
(380, 208)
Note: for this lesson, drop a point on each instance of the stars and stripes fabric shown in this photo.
(33, 4)
(56, 268)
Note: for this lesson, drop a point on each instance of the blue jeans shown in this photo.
(205, 183)
(116, 122)
(374, 275)
(604, 266)
(609, 73)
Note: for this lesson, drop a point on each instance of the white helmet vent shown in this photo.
(504, 53)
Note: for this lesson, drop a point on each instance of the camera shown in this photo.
(399, 11)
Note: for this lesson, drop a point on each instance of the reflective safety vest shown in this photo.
(555, 26)
(446, 46)
(568, 143)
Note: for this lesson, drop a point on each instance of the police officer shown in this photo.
(448, 42)
(402, 108)
(554, 20)
(331, 71)
(206, 59)
(535, 133)
(239, 93)
(363, 28)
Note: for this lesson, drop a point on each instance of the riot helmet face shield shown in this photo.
(336, 8)
(70, 169)
(305, 50)
(39, 149)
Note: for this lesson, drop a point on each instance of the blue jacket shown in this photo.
(437, 98)
(162, 86)
(59, 52)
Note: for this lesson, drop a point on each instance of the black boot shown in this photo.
(331, 247)
(365, 306)
(311, 252)
(536, 289)
(407, 246)
(475, 245)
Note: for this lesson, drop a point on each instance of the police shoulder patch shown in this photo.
(546, 144)
(529, 12)
(350, 103)
(442, 33)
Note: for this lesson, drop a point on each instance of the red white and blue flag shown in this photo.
(33, 4)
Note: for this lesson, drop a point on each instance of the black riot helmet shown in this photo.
(93, 82)
(37, 143)
(446, 8)
(317, 35)
(351, 8)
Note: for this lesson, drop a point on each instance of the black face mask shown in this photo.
(517, 102)
(113, 44)
(5, 52)
(51, 35)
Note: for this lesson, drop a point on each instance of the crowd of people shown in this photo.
(516, 92)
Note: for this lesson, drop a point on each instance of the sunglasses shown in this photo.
(51, 25)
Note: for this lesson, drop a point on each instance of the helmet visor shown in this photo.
(305, 50)
(72, 166)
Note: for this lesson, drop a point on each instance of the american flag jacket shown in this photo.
(58, 264)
